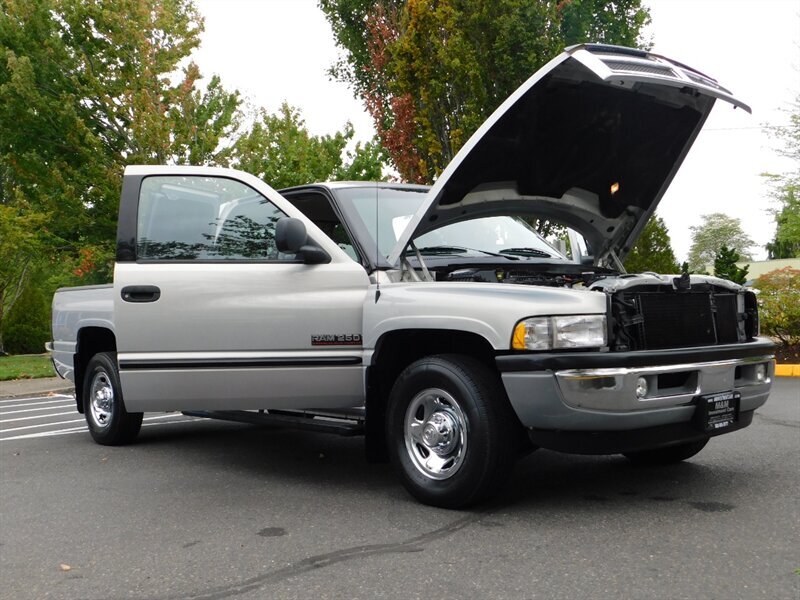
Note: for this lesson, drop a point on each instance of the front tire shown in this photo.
(668, 455)
(451, 432)
(109, 423)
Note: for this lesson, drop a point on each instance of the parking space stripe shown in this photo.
(61, 414)
(67, 431)
(45, 403)
(42, 425)
(26, 399)
(27, 410)
(25, 436)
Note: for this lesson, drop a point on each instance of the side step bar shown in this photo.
(350, 423)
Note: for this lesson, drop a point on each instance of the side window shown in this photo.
(318, 209)
(205, 218)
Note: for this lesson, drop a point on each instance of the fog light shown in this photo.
(761, 373)
(641, 387)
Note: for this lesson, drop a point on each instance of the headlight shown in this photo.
(573, 331)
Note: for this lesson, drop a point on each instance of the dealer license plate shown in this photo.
(717, 412)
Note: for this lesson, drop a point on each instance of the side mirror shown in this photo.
(291, 237)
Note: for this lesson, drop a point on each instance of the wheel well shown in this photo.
(393, 353)
(91, 340)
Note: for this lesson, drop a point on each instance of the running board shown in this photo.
(283, 418)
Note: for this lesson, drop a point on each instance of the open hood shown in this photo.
(591, 140)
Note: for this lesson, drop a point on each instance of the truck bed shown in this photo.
(75, 308)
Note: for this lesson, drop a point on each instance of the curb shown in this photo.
(43, 386)
(787, 370)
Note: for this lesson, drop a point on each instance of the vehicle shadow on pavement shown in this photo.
(542, 480)
(279, 454)
(552, 480)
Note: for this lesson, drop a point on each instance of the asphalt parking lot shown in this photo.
(206, 509)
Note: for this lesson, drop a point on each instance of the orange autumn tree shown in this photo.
(431, 71)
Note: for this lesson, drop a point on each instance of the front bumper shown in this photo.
(595, 392)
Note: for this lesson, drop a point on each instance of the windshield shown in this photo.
(506, 236)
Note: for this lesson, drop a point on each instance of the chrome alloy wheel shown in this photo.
(435, 433)
(101, 399)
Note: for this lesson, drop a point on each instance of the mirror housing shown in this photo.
(291, 237)
(313, 255)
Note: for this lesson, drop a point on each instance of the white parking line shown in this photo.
(27, 410)
(27, 436)
(43, 425)
(62, 414)
(166, 416)
(40, 403)
(50, 397)
(45, 433)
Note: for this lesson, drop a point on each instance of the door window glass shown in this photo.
(205, 218)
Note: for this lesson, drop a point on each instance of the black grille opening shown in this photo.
(727, 320)
(644, 319)
(673, 380)
(676, 320)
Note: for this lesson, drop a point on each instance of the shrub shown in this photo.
(779, 304)
(27, 327)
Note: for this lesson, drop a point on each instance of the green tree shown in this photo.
(430, 73)
(725, 265)
(21, 246)
(619, 22)
(87, 87)
(26, 327)
(279, 149)
(653, 250)
(786, 190)
(718, 229)
(779, 302)
(786, 243)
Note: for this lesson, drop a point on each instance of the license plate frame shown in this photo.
(718, 412)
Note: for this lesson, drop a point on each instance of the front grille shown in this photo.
(727, 319)
(675, 320)
(648, 320)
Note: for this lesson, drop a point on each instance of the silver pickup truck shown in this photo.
(435, 321)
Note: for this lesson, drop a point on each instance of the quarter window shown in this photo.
(205, 218)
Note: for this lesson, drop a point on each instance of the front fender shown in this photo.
(487, 309)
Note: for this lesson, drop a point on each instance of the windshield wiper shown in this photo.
(527, 252)
(456, 250)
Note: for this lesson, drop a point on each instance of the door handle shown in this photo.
(140, 293)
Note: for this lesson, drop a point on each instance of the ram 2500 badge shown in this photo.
(436, 321)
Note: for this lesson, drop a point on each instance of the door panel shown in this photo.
(232, 323)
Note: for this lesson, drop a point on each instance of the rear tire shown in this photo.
(109, 423)
(450, 430)
(668, 455)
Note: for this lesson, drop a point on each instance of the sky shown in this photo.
(279, 50)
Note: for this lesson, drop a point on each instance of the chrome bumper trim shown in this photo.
(614, 389)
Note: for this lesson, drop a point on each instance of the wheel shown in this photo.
(451, 432)
(668, 455)
(109, 423)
